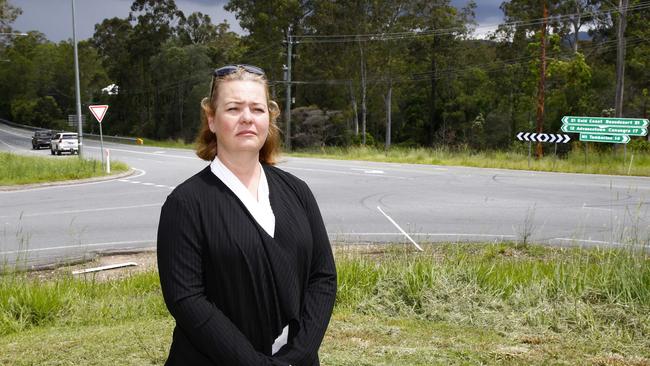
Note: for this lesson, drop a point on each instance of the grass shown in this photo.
(19, 169)
(597, 162)
(452, 304)
(177, 144)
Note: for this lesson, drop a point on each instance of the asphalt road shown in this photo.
(431, 203)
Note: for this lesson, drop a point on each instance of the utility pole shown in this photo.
(354, 108)
(542, 81)
(389, 101)
(363, 97)
(287, 112)
(620, 56)
(76, 81)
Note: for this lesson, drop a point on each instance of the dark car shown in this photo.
(41, 138)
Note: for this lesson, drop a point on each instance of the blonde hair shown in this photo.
(206, 140)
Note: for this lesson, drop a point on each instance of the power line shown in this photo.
(386, 36)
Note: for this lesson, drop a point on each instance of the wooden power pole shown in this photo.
(620, 56)
(542, 81)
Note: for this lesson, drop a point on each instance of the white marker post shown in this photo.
(108, 161)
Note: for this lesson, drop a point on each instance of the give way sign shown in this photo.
(99, 111)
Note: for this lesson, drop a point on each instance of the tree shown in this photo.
(8, 14)
(196, 29)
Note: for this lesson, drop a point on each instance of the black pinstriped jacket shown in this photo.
(231, 287)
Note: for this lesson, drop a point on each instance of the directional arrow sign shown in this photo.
(609, 130)
(557, 138)
(606, 121)
(613, 139)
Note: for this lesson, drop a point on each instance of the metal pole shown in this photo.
(101, 141)
(76, 80)
(287, 112)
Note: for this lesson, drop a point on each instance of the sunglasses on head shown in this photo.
(230, 69)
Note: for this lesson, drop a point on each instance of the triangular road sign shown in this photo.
(99, 111)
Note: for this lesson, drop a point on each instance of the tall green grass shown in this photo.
(19, 169)
(505, 288)
(595, 162)
(27, 302)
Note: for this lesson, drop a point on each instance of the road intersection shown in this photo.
(431, 203)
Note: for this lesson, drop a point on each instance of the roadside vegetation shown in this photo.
(177, 144)
(20, 169)
(452, 304)
(635, 161)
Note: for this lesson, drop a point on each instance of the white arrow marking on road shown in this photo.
(400, 229)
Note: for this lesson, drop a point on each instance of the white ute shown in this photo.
(64, 141)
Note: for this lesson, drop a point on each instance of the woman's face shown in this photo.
(241, 118)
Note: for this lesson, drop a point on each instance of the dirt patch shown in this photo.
(144, 261)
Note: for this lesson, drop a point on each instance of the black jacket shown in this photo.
(231, 287)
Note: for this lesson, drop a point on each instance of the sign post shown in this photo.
(99, 111)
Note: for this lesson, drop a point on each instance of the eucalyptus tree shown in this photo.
(197, 28)
(155, 23)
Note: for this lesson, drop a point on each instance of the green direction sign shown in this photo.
(605, 121)
(607, 130)
(613, 139)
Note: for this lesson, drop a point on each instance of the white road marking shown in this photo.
(342, 172)
(149, 153)
(426, 234)
(86, 210)
(400, 229)
(584, 205)
(10, 146)
(80, 246)
(369, 170)
(593, 241)
(14, 133)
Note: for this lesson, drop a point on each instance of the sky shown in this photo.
(54, 17)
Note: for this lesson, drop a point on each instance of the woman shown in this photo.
(246, 267)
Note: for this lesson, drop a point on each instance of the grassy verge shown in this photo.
(575, 162)
(452, 304)
(177, 144)
(596, 162)
(19, 169)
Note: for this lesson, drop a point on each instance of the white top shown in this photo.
(259, 208)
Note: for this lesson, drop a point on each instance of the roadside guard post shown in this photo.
(108, 161)
(99, 111)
